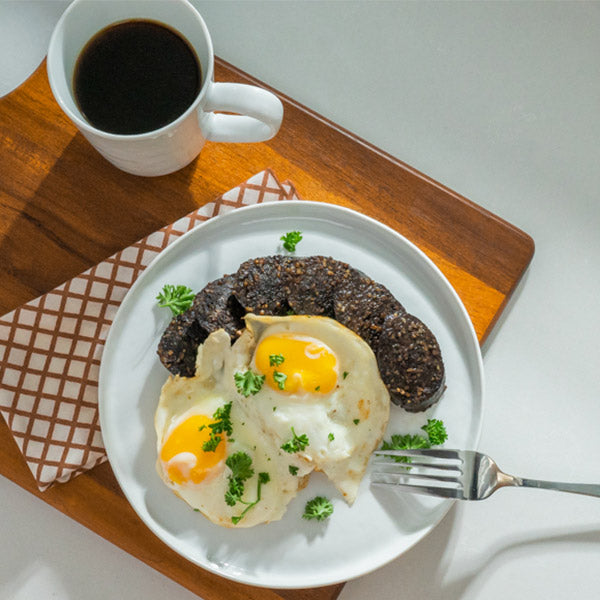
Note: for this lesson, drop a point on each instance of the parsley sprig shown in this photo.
(176, 297)
(436, 432)
(290, 240)
(240, 464)
(279, 379)
(319, 508)
(222, 424)
(405, 442)
(275, 360)
(436, 435)
(262, 479)
(248, 383)
(296, 444)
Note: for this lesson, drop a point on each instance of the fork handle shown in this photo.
(588, 489)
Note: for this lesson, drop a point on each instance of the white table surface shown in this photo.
(500, 102)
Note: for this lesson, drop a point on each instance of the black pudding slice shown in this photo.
(312, 282)
(410, 362)
(179, 344)
(362, 305)
(214, 307)
(261, 285)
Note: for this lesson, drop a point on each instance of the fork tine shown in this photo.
(411, 474)
(428, 452)
(409, 465)
(443, 492)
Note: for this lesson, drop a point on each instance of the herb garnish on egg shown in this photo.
(279, 379)
(275, 360)
(248, 383)
(296, 444)
(240, 464)
(222, 424)
(262, 479)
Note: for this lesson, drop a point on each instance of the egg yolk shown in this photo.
(291, 362)
(182, 453)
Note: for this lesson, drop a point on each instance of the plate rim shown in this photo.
(216, 221)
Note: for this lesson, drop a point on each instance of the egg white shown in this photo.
(212, 388)
(355, 412)
(343, 426)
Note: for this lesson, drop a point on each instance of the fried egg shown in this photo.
(321, 382)
(185, 412)
(316, 403)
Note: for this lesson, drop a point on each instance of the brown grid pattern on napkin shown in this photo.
(50, 348)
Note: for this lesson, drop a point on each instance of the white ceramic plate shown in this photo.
(293, 552)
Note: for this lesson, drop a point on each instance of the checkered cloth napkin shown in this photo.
(50, 348)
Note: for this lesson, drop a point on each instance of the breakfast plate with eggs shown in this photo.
(240, 424)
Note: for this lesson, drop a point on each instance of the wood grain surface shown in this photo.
(63, 208)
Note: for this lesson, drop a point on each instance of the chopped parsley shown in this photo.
(356, 421)
(436, 435)
(296, 444)
(275, 360)
(262, 479)
(280, 379)
(290, 240)
(319, 508)
(345, 374)
(436, 432)
(248, 383)
(222, 424)
(176, 297)
(405, 442)
(331, 437)
(293, 469)
(240, 464)
(211, 444)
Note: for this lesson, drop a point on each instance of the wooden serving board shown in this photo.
(63, 208)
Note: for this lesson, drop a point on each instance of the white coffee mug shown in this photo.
(258, 112)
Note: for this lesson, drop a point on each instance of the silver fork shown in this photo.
(462, 474)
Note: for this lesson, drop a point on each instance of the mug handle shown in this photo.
(259, 113)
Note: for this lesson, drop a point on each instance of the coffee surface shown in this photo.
(136, 76)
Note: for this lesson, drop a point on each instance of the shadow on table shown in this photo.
(79, 212)
(455, 590)
(420, 573)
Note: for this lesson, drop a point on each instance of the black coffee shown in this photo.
(135, 77)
